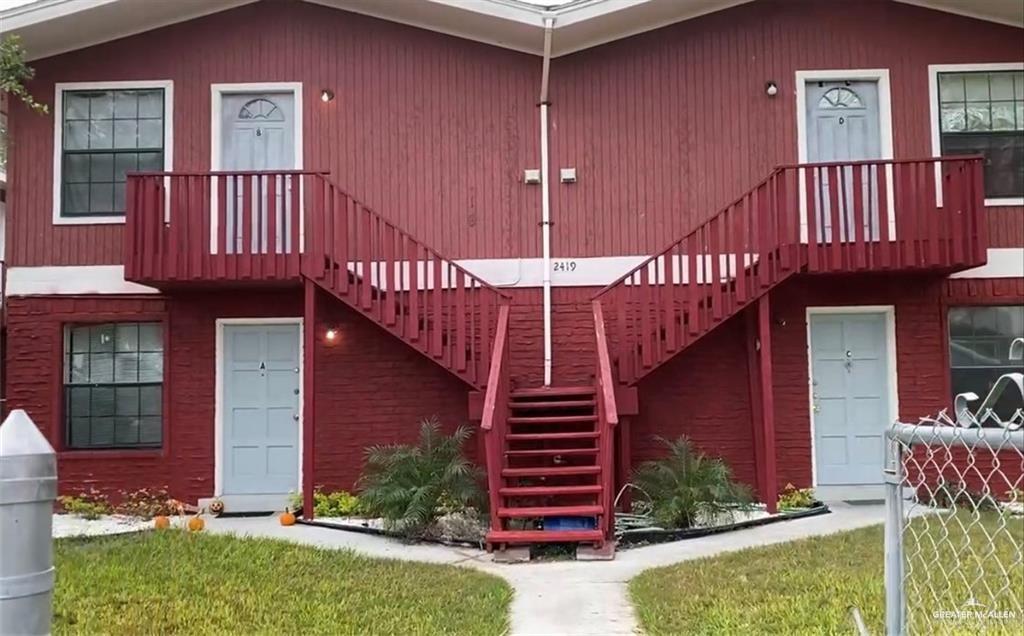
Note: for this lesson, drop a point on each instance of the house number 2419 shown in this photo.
(564, 266)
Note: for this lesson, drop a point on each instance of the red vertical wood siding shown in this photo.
(666, 127)
(704, 392)
(434, 131)
(431, 130)
(371, 388)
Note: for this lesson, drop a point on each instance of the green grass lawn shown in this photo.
(170, 581)
(807, 587)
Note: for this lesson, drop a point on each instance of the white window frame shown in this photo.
(880, 75)
(218, 405)
(933, 108)
(58, 139)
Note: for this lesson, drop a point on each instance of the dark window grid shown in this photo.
(117, 417)
(68, 116)
(90, 354)
(116, 210)
(116, 183)
(1008, 153)
(1012, 100)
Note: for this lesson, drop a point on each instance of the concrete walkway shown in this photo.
(565, 597)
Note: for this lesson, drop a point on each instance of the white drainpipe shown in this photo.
(545, 197)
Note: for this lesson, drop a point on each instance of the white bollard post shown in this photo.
(28, 488)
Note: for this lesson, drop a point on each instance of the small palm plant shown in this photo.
(688, 487)
(410, 486)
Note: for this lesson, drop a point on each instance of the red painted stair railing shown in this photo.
(607, 418)
(494, 420)
(404, 285)
(884, 215)
(276, 227)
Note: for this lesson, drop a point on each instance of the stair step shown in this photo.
(550, 511)
(522, 437)
(554, 391)
(544, 536)
(550, 452)
(561, 404)
(545, 491)
(550, 471)
(553, 419)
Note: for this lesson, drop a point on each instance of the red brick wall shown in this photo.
(704, 393)
(371, 388)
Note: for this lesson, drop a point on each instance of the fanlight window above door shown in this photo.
(840, 98)
(262, 109)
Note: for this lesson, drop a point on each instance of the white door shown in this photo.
(843, 125)
(850, 396)
(260, 409)
(258, 133)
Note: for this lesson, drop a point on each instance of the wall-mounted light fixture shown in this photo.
(771, 89)
(326, 95)
(331, 336)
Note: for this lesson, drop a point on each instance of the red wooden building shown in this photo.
(252, 238)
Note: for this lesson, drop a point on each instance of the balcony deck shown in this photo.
(239, 228)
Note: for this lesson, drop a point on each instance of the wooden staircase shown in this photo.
(549, 454)
(408, 288)
(551, 477)
(862, 216)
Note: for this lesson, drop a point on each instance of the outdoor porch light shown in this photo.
(326, 95)
(331, 336)
(771, 89)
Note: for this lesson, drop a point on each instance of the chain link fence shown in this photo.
(954, 531)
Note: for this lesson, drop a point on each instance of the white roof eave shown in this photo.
(50, 27)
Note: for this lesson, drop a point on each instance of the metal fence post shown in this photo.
(895, 602)
(28, 488)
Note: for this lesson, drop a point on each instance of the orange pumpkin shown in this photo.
(287, 518)
(161, 522)
(195, 524)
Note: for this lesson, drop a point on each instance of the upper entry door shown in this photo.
(843, 125)
(258, 133)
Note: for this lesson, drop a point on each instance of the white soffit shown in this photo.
(1009, 12)
(49, 27)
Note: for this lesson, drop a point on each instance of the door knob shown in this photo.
(295, 417)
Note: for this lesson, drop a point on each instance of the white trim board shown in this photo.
(58, 139)
(589, 271)
(1003, 262)
(891, 348)
(218, 408)
(217, 92)
(880, 75)
(71, 280)
(933, 109)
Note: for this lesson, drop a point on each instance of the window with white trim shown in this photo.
(982, 112)
(105, 134)
(113, 385)
(979, 350)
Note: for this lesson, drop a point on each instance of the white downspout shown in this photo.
(545, 197)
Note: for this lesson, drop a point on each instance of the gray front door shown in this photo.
(258, 133)
(850, 396)
(843, 125)
(261, 409)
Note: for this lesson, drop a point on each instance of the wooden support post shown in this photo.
(624, 463)
(308, 395)
(762, 400)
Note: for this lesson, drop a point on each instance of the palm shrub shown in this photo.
(410, 486)
(687, 487)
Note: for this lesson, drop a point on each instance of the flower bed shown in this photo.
(630, 532)
(465, 529)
